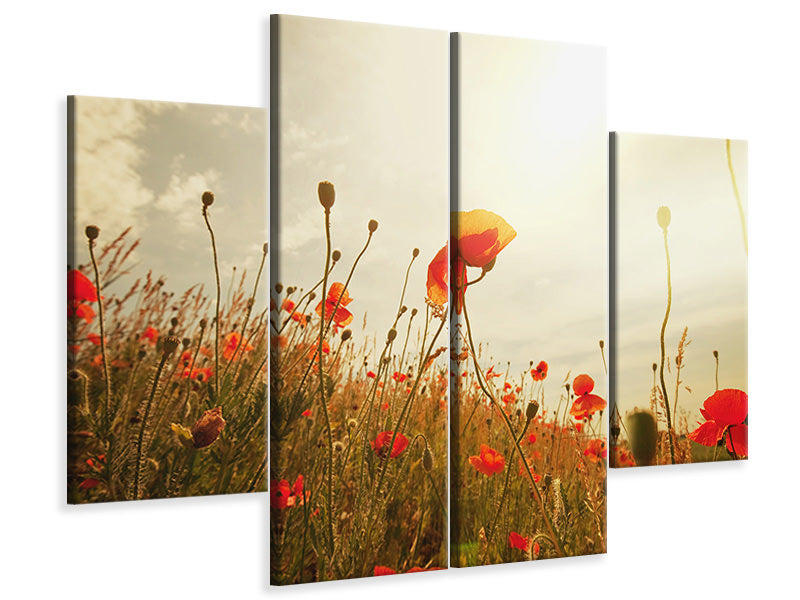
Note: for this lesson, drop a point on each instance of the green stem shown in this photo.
(663, 351)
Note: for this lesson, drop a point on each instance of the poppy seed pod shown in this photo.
(174, 321)
(170, 345)
(312, 295)
(203, 323)
(278, 287)
(716, 354)
(663, 216)
(92, 231)
(392, 334)
(531, 410)
(208, 198)
(372, 226)
(208, 427)
(643, 434)
(346, 335)
(655, 366)
(265, 247)
(336, 255)
(290, 290)
(186, 342)
(602, 344)
(427, 459)
(326, 193)
(413, 312)
(415, 252)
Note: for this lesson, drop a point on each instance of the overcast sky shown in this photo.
(146, 164)
(709, 265)
(533, 150)
(366, 107)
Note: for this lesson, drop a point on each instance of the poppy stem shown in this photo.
(716, 371)
(663, 350)
(736, 193)
(216, 311)
(551, 530)
(101, 318)
(344, 288)
(322, 386)
(137, 474)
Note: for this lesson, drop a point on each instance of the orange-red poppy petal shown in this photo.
(726, 407)
(583, 384)
(482, 234)
(737, 434)
(438, 277)
(707, 434)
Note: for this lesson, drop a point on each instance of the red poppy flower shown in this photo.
(233, 341)
(80, 288)
(313, 352)
(488, 462)
(206, 352)
(725, 410)
(531, 438)
(385, 406)
(536, 548)
(306, 412)
(280, 494)
(202, 374)
(586, 403)
(337, 294)
(515, 540)
(287, 305)
(381, 444)
(507, 398)
(89, 483)
(371, 374)
(81, 311)
(596, 450)
(490, 373)
(300, 319)
(481, 237)
(381, 570)
(399, 377)
(437, 278)
(625, 459)
(94, 338)
(540, 372)
(151, 335)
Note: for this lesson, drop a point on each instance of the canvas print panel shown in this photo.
(166, 304)
(358, 323)
(680, 315)
(529, 309)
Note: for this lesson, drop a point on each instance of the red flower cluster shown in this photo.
(282, 495)
(539, 373)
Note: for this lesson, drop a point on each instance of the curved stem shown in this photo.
(216, 311)
(663, 351)
(736, 193)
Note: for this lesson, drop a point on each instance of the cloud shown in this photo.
(109, 189)
(243, 120)
(181, 197)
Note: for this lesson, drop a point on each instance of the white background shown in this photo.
(724, 69)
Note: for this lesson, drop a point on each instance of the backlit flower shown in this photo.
(280, 494)
(399, 377)
(150, 335)
(596, 450)
(488, 462)
(437, 278)
(540, 372)
(81, 311)
(287, 305)
(724, 411)
(337, 294)
(586, 403)
(381, 444)
(208, 427)
(80, 288)
(233, 341)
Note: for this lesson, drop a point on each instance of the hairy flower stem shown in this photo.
(322, 386)
(216, 310)
(537, 496)
(107, 380)
(736, 193)
(663, 350)
(140, 440)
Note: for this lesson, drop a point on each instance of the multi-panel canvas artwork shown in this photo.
(167, 322)
(679, 208)
(358, 316)
(528, 315)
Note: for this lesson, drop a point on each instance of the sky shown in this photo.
(365, 107)
(532, 149)
(708, 265)
(146, 164)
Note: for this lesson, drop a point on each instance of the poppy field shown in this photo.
(528, 470)
(682, 398)
(166, 392)
(358, 416)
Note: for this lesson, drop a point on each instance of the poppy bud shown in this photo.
(265, 247)
(602, 344)
(279, 287)
(290, 290)
(203, 323)
(170, 345)
(427, 459)
(208, 198)
(643, 433)
(186, 342)
(208, 427)
(531, 410)
(415, 252)
(326, 193)
(403, 309)
(413, 312)
(346, 335)
(174, 321)
(92, 231)
(655, 366)
(490, 265)
(716, 354)
(392, 334)
(372, 226)
(663, 216)
(312, 295)
(142, 353)
(336, 255)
